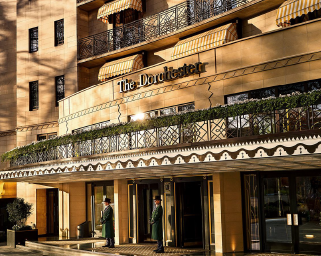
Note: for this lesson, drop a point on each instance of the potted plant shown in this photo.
(18, 212)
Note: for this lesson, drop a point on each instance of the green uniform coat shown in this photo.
(108, 223)
(157, 227)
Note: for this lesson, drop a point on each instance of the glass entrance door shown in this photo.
(292, 213)
(99, 192)
(277, 214)
(308, 206)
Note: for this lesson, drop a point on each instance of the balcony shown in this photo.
(271, 117)
(165, 28)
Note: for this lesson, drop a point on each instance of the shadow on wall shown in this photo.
(250, 30)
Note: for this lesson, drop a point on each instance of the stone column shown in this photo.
(228, 212)
(121, 211)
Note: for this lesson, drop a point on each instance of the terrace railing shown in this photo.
(177, 17)
(273, 122)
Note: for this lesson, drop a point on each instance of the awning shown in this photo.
(119, 67)
(205, 41)
(291, 9)
(118, 6)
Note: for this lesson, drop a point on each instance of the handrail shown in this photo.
(174, 18)
(271, 122)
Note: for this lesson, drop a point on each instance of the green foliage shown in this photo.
(221, 111)
(18, 212)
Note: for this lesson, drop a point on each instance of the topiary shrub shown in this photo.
(18, 212)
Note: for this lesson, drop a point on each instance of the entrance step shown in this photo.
(51, 250)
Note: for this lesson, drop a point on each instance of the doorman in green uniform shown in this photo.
(107, 220)
(157, 224)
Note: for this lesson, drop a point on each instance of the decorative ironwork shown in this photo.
(59, 32)
(274, 122)
(33, 97)
(177, 17)
(60, 88)
(33, 39)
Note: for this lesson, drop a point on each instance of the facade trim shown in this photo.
(211, 156)
(265, 66)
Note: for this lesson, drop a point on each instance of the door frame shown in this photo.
(297, 247)
(92, 191)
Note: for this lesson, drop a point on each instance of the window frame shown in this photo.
(33, 101)
(59, 41)
(56, 89)
(33, 40)
(47, 135)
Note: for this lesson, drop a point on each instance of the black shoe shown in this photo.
(106, 245)
(155, 250)
(160, 251)
(112, 246)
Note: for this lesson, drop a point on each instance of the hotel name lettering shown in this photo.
(169, 74)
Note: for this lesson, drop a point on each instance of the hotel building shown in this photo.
(212, 104)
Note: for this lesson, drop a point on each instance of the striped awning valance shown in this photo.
(205, 41)
(291, 9)
(119, 67)
(118, 6)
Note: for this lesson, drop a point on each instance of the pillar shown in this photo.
(228, 212)
(121, 211)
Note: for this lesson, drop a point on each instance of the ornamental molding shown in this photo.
(7, 133)
(183, 157)
(265, 66)
(37, 126)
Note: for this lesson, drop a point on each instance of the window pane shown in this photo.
(60, 88)
(237, 98)
(33, 39)
(186, 107)
(59, 32)
(33, 97)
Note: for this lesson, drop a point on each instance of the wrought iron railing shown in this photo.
(163, 23)
(274, 122)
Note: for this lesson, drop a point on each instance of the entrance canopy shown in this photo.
(121, 66)
(292, 9)
(293, 153)
(118, 6)
(205, 41)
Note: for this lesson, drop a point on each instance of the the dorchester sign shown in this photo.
(169, 74)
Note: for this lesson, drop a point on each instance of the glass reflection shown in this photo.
(309, 208)
(276, 208)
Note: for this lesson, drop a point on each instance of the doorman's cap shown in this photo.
(107, 200)
(157, 198)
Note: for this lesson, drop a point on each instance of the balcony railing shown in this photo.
(163, 23)
(273, 122)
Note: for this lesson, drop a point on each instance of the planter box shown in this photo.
(19, 237)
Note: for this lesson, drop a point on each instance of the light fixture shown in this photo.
(139, 116)
(309, 236)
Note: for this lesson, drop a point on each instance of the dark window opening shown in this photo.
(33, 96)
(33, 39)
(60, 88)
(91, 127)
(59, 32)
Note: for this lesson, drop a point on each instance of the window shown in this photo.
(46, 136)
(163, 112)
(33, 39)
(33, 96)
(60, 88)
(59, 32)
(91, 127)
(275, 91)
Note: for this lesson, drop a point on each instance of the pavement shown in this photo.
(94, 246)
